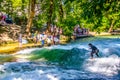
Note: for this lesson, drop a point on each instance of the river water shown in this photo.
(65, 62)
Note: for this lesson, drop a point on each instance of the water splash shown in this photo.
(64, 62)
(107, 65)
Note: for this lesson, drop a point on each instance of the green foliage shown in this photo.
(96, 15)
(39, 21)
(16, 3)
(102, 13)
(20, 20)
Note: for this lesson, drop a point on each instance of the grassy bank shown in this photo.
(11, 48)
(14, 47)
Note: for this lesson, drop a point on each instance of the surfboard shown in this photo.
(92, 59)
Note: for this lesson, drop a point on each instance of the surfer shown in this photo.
(95, 50)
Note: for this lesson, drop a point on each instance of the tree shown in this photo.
(97, 15)
(31, 15)
(103, 14)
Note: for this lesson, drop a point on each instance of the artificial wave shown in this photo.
(64, 62)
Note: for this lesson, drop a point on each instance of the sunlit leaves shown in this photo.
(16, 3)
(97, 15)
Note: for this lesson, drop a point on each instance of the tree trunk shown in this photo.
(48, 26)
(31, 15)
(111, 26)
(50, 15)
(61, 10)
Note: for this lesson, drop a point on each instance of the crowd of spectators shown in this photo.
(80, 31)
(45, 37)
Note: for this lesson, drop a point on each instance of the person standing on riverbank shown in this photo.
(20, 40)
(35, 37)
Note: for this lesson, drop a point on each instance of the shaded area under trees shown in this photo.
(97, 15)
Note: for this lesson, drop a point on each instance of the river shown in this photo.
(65, 62)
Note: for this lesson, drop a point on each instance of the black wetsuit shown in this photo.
(94, 51)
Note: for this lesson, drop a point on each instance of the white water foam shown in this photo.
(110, 51)
(48, 74)
(107, 65)
(118, 45)
(27, 51)
(34, 71)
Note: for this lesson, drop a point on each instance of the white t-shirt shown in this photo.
(41, 37)
(56, 39)
(45, 36)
